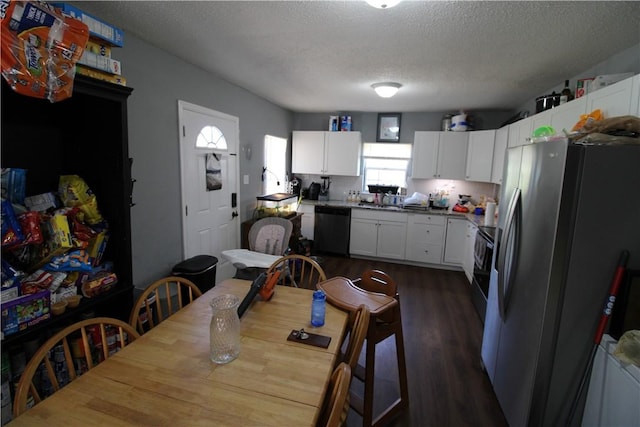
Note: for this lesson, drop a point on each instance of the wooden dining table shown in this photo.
(165, 378)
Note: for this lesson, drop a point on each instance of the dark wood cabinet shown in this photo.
(85, 135)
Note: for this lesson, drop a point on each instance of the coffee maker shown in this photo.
(295, 186)
(314, 191)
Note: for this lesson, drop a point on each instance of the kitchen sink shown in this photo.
(384, 207)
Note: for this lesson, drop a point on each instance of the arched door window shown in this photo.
(211, 137)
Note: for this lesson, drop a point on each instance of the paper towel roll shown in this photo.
(489, 214)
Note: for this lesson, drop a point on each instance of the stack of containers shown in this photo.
(96, 61)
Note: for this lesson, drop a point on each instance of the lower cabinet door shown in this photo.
(391, 239)
(364, 237)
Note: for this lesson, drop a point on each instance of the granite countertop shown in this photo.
(476, 219)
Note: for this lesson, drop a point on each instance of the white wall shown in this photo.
(159, 80)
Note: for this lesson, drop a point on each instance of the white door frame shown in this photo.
(232, 151)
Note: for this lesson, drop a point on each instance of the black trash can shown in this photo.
(200, 269)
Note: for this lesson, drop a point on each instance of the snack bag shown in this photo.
(40, 48)
(11, 231)
(75, 260)
(586, 119)
(14, 183)
(30, 224)
(74, 192)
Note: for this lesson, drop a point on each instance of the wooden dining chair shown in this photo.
(298, 271)
(160, 300)
(68, 354)
(355, 337)
(336, 403)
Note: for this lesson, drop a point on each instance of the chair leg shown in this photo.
(369, 381)
(402, 366)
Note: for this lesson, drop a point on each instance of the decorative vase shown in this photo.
(224, 330)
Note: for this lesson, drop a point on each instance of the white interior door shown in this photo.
(209, 173)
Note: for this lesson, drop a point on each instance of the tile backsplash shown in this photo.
(341, 185)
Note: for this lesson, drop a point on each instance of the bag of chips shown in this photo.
(40, 48)
(74, 192)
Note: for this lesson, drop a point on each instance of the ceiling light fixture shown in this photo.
(387, 89)
(383, 4)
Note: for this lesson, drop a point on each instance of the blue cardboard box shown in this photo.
(23, 312)
(97, 27)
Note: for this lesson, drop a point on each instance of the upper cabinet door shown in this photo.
(330, 153)
(614, 100)
(499, 152)
(480, 155)
(636, 95)
(439, 155)
(562, 117)
(343, 153)
(567, 115)
(425, 155)
(520, 132)
(307, 152)
(452, 155)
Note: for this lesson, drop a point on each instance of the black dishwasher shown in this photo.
(331, 229)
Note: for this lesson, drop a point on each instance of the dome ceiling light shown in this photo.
(383, 4)
(387, 89)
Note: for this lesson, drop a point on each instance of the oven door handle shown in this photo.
(509, 243)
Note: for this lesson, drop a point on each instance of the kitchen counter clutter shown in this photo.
(427, 237)
(476, 219)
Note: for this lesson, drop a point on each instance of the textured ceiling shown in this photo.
(323, 56)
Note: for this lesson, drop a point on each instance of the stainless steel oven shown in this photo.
(483, 253)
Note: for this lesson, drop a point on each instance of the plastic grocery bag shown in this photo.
(40, 48)
(628, 348)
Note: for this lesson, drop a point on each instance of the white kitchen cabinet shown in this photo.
(480, 155)
(376, 233)
(619, 99)
(499, 153)
(455, 241)
(567, 115)
(520, 133)
(439, 155)
(326, 153)
(469, 249)
(543, 118)
(307, 221)
(363, 239)
(425, 238)
(563, 116)
(635, 94)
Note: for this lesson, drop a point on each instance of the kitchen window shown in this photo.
(274, 170)
(385, 164)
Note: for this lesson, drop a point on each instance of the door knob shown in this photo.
(234, 214)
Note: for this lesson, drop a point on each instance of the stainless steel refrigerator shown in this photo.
(566, 214)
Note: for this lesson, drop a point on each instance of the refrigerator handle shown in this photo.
(509, 247)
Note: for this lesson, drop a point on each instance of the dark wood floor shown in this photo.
(443, 336)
